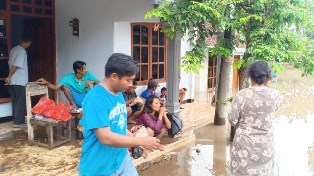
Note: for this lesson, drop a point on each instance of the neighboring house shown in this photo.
(105, 27)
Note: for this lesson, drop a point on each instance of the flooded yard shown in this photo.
(208, 155)
(294, 139)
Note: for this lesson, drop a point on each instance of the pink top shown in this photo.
(148, 121)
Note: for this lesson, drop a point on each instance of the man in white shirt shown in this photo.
(17, 79)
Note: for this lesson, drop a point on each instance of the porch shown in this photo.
(20, 159)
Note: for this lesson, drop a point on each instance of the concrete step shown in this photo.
(167, 148)
(197, 123)
(186, 136)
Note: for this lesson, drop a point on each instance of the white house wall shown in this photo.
(187, 79)
(5, 109)
(105, 28)
(96, 41)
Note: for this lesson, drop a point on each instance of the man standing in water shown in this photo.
(106, 138)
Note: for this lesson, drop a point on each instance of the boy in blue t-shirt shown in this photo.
(106, 138)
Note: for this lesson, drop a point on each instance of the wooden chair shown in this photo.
(75, 116)
(34, 89)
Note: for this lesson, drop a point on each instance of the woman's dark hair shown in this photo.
(147, 107)
(121, 64)
(260, 72)
(78, 65)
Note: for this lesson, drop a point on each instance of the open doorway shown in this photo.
(41, 55)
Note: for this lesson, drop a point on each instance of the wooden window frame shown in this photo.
(150, 46)
(212, 72)
(6, 15)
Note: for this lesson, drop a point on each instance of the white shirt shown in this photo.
(18, 58)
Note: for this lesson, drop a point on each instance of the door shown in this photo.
(41, 62)
(235, 82)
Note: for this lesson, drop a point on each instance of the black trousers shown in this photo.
(18, 94)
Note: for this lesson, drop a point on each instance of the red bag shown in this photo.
(48, 108)
(64, 110)
(43, 105)
(53, 113)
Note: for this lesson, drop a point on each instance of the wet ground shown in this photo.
(294, 129)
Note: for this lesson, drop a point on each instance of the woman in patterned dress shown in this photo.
(252, 114)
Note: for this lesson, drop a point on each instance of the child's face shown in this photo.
(164, 93)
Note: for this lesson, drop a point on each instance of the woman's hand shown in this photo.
(162, 110)
(161, 113)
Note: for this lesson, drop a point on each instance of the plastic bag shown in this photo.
(53, 113)
(49, 109)
(43, 105)
(64, 110)
(137, 152)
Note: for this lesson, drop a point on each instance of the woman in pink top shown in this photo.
(154, 118)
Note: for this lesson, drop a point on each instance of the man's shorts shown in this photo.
(135, 108)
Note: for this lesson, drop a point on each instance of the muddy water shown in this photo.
(294, 129)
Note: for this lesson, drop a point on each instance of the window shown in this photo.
(212, 66)
(37, 8)
(149, 50)
(4, 57)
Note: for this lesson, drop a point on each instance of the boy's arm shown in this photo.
(130, 101)
(107, 137)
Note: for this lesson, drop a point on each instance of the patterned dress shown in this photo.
(252, 113)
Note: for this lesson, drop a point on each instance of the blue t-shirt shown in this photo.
(78, 86)
(102, 109)
(146, 94)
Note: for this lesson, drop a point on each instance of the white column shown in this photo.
(172, 102)
(201, 79)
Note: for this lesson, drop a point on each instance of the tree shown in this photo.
(192, 18)
(271, 29)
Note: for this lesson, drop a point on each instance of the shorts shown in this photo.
(127, 168)
(135, 108)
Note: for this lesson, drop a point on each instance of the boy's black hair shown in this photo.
(134, 83)
(26, 38)
(152, 83)
(163, 89)
(78, 65)
(121, 64)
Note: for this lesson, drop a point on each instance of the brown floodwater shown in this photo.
(293, 130)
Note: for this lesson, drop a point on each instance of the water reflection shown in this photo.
(201, 162)
(209, 156)
(293, 141)
(293, 130)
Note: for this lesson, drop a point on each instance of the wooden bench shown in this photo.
(34, 89)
